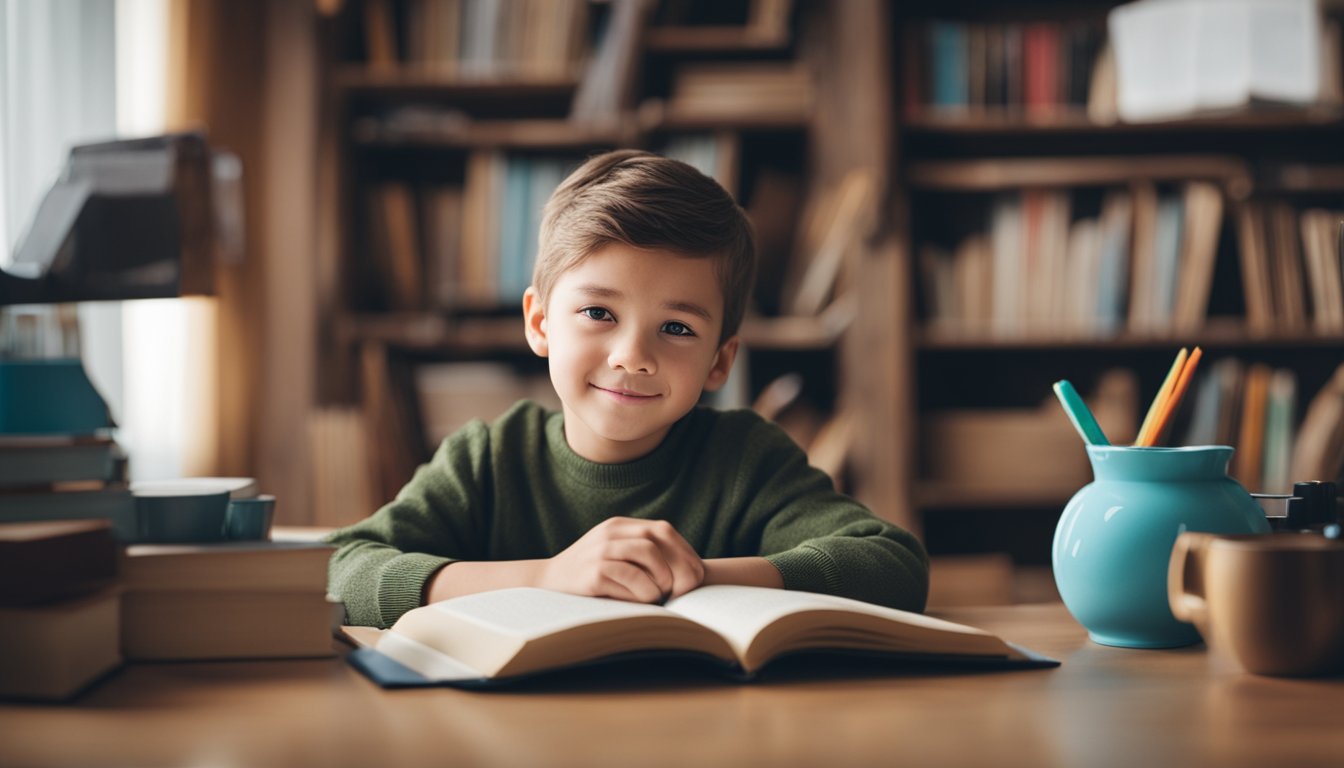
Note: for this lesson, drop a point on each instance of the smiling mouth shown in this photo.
(624, 394)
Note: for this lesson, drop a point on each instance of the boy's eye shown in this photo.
(677, 329)
(595, 313)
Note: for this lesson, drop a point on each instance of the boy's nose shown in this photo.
(631, 354)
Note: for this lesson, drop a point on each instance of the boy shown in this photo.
(632, 491)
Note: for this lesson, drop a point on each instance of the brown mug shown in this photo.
(1272, 602)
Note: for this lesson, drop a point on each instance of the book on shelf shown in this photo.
(45, 561)
(477, 39)
(498, 637)
(1290, 267)
(52, 651)
(1318, 452)
(396, 247)
(1180, 57)
(1051, 262)
(1035, 67)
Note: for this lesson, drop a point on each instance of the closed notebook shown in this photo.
(497, 637)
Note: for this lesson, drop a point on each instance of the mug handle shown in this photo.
(1185, 577)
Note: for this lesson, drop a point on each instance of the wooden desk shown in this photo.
(1104, 706)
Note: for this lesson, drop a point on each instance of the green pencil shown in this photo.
(1079, 414)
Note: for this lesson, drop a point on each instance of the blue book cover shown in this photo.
(1167, 259)
(948, 51)
(514, 220)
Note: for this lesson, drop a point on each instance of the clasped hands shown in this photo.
(644, 561)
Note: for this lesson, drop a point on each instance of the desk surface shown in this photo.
(1104, 706)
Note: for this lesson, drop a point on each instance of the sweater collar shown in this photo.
(647, 468)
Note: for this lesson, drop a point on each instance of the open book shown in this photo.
(493, 637)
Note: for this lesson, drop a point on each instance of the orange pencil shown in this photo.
(1146, 431)
(1174, 399)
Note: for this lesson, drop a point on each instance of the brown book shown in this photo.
(244, 565)
(53, 651)
(186, 624)
(1286, 268)
(1255, 268)
(49, 560)
(380, 34)
(397, 206)
(1199, 250)
(1318, 451)
(1251, 439)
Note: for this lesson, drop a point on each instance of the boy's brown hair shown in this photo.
(647, 201)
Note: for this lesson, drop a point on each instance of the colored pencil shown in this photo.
(1146, 431)
(1079, 414)
(1174, 398)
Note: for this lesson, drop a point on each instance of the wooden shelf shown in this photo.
(657, 115)
(1074, 122)
(410, 81)
(712, 40)
(432, 332)
(513, 134)
(934, 496)
(995, 174)
(1220, 335)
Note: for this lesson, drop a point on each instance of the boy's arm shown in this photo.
(382, 564)
(744, 571)
(821, 540)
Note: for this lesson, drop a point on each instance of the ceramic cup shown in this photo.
(1274, 603)
(250, 519)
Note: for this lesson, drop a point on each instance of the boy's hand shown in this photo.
(642, 561)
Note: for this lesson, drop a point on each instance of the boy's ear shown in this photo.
(723, 365)
(534, 319)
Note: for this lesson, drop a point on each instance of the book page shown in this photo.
(759, 622)
(521, 630)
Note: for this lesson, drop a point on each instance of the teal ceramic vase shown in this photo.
(1114, 539)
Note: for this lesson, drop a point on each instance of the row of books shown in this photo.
(474, 245)
(75, 604)
(478, 38)
(1144, 264)
(1254, 407)
(1292, 264)
(1037, 66)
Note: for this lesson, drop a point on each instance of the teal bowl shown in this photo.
(180, 518)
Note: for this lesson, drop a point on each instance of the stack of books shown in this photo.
(56, 461)
(231, 600)
(59, 607)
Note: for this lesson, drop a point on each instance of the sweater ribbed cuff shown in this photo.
(401, 583)
(807, 569)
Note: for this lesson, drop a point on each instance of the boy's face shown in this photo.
(633, 339)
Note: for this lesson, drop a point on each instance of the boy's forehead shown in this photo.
(687, 283)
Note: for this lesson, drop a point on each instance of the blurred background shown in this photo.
(956, 204)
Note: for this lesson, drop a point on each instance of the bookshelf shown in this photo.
(429, 139)
(978, 158)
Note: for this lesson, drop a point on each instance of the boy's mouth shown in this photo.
(624, 394)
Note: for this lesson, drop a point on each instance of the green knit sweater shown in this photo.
(730, 482)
